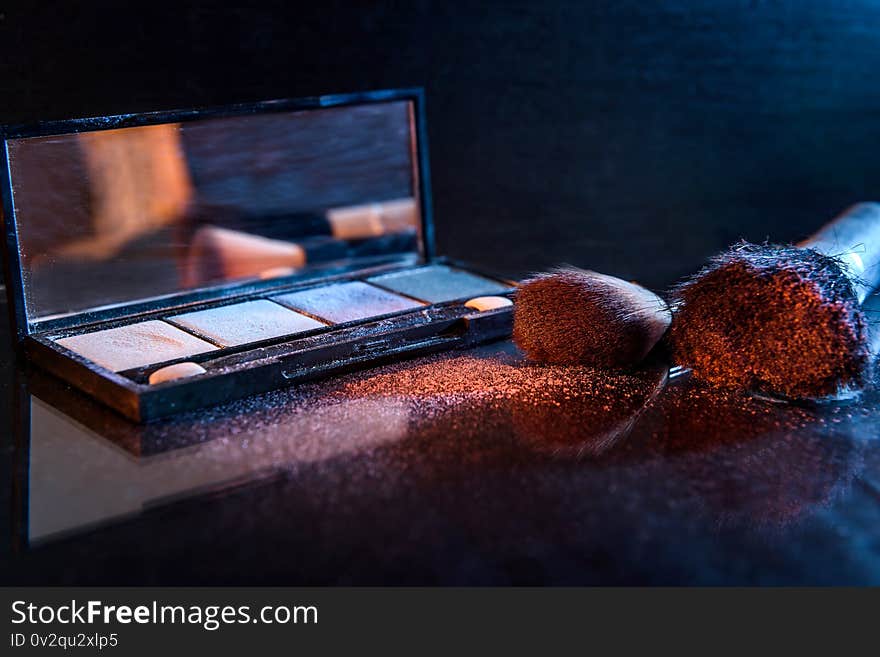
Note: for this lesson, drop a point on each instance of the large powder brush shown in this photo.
(784, 320)
(574, 316)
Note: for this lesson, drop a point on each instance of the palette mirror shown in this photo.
(164, 262)
(109, 217)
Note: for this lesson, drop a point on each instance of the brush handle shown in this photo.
(854, 237)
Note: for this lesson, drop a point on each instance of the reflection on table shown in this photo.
(520, 437)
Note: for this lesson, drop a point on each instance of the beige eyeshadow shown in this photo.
(135, 345)
(242, 323)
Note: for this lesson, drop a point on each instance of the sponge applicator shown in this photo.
(575, 316)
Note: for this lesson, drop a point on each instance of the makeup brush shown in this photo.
(784, 320)
(350, 222)
(575, 316)
(217, 254)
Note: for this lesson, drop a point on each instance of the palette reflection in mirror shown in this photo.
(168, 261)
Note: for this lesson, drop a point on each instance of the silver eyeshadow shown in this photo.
(135, 345)
(347, 302)
(439, 283)
(242, 323)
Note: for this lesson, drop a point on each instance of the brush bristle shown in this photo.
(573, 316)
(776, 319)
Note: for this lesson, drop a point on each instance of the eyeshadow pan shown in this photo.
(246, 322)
(135, 345)
(346, 302)
(439, 283)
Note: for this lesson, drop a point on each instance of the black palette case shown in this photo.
(170, 261)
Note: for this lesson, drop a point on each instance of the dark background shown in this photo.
(631, 137)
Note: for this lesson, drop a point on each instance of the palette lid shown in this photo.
(113, 216)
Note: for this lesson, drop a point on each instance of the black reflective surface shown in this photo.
(465, 468)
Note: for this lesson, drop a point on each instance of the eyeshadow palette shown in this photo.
(170, 261)
(246, 322)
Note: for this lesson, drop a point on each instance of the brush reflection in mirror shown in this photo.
(222, 253)
(218, 254)
(78, 479)
(110, 217)
(358, 222)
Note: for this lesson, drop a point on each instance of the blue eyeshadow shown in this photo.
(439, 283)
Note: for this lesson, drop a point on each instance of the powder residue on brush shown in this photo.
(782, 320)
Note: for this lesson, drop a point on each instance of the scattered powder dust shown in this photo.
(499, 377)
(456, 420)
(571, 410)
